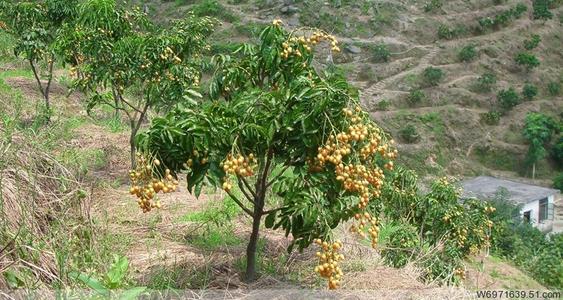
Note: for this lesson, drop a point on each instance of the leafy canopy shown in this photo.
(269, 109)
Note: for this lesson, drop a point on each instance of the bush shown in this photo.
(558, 181)
(448, 33)
(554, 88)
(383, 105)
(432, 76)
(507, 99)
(402, 244)
(415, 97)
(490, 118)
(409, 134)
(433, 5)
(527, 60)
(486, 82)
(467, 53)
(533, 42)
(541, 9)
(381, 53)
(529, 91)
(557, 151)
(213, 8)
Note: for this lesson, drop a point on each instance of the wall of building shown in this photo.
(533, 207)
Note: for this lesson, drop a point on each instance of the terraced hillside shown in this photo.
(442, 127)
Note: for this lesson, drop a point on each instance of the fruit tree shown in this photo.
(292, 139)
(35, 26)
(122, 60)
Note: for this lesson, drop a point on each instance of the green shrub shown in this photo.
(433, 5)
(467, 53)
(213, 8)
(415, 97)
(557, 150)
(533, 42)
(490, 118)
(380, 53)
(507, 99)
(486, 82)
(448, 33)
(558, 181)
(432, 76)
(541, 9)
(409, 134)
(402, 244)
(554, 88)
(383, 105)
(529, 91)
(527, 60)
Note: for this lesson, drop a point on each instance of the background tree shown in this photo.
(124, 58)
(529, 61)
(507, 99)
(538, 130)
(293, 140)
(35, 25)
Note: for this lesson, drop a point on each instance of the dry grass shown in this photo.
(35, 190)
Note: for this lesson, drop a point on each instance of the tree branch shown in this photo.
(51, 64)
(243, 190)
(271, 211)
(237, 201)
(247, 185)
(129, 104)
(34, 69)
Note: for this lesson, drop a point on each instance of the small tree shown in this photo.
(558, 181)
(35, 27)
(527, 60)
(554, 88)
(533, 42)
(467, 53)
(529, 91)
(275, 126)
(409, 134)
(507, 99)
(538, 130)
(432, 76)
(124, 58)
(486, 82)
(381, 53)
(541, 10)
(415, 97)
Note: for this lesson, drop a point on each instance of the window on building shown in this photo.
(527, 216)
(544, 210)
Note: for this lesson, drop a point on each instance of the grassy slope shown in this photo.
(453, 139)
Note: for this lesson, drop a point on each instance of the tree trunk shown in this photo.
(534, 171)
(251, 248)
(133, 148)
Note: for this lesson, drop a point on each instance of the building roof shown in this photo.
(520, 193)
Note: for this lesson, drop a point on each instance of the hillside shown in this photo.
(66, 181)
(452, 136)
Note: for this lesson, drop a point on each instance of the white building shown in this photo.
(540, 206)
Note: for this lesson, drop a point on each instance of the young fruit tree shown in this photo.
(538, 130)
(130, 65)
(294, 141)
(35, 25)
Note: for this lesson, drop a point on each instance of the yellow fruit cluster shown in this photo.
(460, 273)
(145, 186)
(363, 177)
(328, 262)
(370, 221)
(490, 209)
(292, 45)
(238, 165)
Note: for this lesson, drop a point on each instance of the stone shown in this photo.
(353, 49)
(289, 10)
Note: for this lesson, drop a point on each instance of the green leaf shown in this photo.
(90, 282)
(132, 293)
(269, 221)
